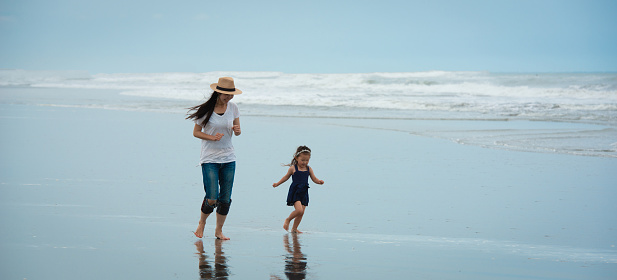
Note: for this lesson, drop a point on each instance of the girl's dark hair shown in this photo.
(205, 109)
(300, 150)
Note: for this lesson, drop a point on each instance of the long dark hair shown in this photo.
(205, 109)
(300, 150)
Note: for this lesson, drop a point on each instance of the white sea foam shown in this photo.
(576, 97)
(553, 97)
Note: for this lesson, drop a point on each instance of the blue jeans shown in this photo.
(218, 180)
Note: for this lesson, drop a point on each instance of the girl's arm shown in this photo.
(317, 181)
(236, 127)
(201, 135)
(290, 171)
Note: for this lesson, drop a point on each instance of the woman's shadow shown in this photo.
(208, 269)
(295, 260)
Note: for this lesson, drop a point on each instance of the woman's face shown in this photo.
(225, 97)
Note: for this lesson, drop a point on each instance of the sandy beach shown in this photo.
(89, 193)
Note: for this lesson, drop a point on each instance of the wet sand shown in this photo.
(100, 194)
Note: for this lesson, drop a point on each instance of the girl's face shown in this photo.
(225, 97)
(303, 160)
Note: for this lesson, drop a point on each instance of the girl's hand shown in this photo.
(275, 185)
(320, 182)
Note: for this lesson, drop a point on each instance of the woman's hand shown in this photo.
(275, 185)
(216, 137)
(199, 134)
(236, 129)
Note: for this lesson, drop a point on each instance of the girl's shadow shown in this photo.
(295, 260)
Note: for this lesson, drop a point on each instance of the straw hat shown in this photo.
(226, 86)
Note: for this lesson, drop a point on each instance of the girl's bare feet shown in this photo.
(199, 232)
(286, 225)
(295, 231)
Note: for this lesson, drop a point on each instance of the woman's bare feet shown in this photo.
(295, 231)
(286, 225)
(199, 232)
(219, 235)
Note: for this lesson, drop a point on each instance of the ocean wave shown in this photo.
(566, 97)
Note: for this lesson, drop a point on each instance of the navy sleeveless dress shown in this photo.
(298, 191)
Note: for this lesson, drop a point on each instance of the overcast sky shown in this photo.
(312, 36)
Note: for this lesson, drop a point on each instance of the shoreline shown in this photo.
(596, 139)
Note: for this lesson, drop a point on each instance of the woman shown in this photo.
(215, 120)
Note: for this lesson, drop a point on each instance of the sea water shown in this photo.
(552, 101)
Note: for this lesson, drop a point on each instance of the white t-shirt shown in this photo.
(221, 151)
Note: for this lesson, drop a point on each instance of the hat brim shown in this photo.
(235, 92)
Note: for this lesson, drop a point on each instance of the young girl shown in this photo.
(298, 197)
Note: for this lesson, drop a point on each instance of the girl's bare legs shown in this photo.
(297, 215)
(297, 221)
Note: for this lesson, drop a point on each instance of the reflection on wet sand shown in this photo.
(295, 261)
(208, 270)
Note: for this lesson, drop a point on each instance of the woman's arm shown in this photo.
(201, 135)
(317, 181)
(236, 127)
(290, 171)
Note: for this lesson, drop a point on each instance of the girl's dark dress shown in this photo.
(298, 191)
